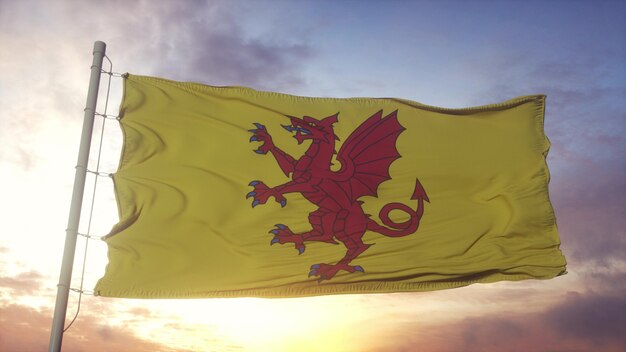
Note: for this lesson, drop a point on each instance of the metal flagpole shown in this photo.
(63, 288)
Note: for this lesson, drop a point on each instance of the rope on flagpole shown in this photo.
(97, 174)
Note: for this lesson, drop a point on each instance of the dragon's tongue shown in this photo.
(304, 130)
(289, 128)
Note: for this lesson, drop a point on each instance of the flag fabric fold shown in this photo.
(233, 192)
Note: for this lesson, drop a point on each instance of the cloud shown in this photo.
(26, 283)
(200, 41)
(608, 279)
(206, 40)
(27, 329)
(589, 204)
(585, 115)
(24, 327)
(581, 322)
(584, 81)
(43, 87)
(26, 299)
(595, 318)
(44, 66)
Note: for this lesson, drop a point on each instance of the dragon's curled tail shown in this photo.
(408, 227)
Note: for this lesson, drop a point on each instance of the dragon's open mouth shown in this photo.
(292, 128)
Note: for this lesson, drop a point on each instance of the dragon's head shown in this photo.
(312, 128)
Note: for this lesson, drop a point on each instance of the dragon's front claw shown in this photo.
(359, 268)
(261, 193)
(282, 234)
(260, 134)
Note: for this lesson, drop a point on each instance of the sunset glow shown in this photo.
(442, 53)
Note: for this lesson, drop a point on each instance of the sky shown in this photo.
(442, 53)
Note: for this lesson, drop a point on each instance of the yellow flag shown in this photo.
(229, 192)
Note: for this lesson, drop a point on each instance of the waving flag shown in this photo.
(229, 192)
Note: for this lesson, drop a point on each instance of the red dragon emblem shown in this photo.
(365, 159)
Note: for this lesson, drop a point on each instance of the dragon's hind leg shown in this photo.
(327, 271)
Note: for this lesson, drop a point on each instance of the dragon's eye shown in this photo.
(311, 124)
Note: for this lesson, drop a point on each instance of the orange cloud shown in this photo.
(24, 283)
(27, 329)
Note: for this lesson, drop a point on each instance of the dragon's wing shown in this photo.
(367, 155)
